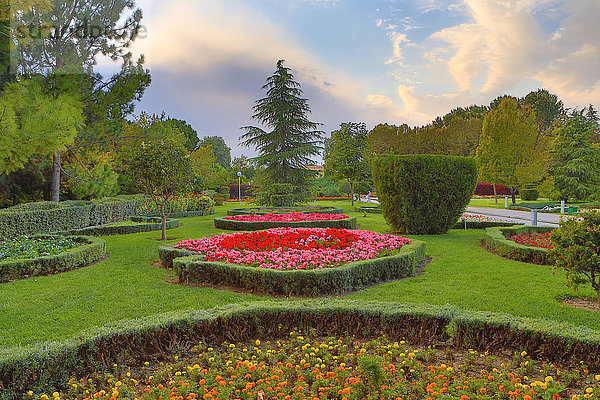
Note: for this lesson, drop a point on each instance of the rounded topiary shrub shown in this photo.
(424, 194)
(529, 194)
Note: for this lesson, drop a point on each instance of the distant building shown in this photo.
(319, 169)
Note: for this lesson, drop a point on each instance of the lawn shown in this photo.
(127, 285)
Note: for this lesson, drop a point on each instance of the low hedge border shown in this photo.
(93, 250)
(328, 281)
(485, 224)
(151, 224)
(167, 253)
(184, 214)
(49, 365)
(247, 211)
(496, 241)
(222, 223)
(374, 210)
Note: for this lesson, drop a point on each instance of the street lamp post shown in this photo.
(239, 174)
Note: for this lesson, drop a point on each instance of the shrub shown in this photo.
(576, 249)
(179, 205)
(281, 195)
(222, 223)
(424, 194)
(283, 210)
(48, 217)
(487, 189)
(92, 250)
(529, 194)
(137, 224)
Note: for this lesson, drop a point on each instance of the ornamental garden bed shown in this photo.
(346, 348)
(24, 257)
(528, 244)
(135, 224)
(368, 209)
(477, 221)
(257, 222)
(295, 261)
(284, 210)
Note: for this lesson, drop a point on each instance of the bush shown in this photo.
(92, 250)
(529, 194)
(48, 217)
(222, 223)
(316, 282)
(276, 210)
(179, 205)
(496, 241)
(424, 194)
(138, 224)
(576, 246)
(487, 189)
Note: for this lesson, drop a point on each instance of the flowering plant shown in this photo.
(534, 239)
(289, 217)
(484, 218)
(295, 248)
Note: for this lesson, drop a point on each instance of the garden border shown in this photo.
(485, 224)
(368, 210)
(243, 211)
(185, 214)
(316, 282)
(50, 364)
(222, 223)
(73, 258)
(496, 242)
(152, 224)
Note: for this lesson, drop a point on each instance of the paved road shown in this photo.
(544, 219)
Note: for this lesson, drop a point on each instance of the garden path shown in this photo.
(543, 219)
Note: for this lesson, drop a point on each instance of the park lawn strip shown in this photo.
(127, 285)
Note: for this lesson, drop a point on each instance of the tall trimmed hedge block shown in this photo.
(424, 194)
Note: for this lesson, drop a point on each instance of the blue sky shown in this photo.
(373, 61)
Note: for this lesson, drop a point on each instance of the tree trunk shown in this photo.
(352, 192)
(495, 193)
(164, 222)
(513, 195)
(55, 184)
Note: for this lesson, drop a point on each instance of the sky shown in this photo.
(372, 61)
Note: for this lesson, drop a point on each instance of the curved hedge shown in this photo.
(424, 194)
(367, 209)
(342, 279)
(284, 210)
(147, 224)
(222, 223)
(46, 216)
(167, 253)
(496, 241)
(51, 364)
(484, 224)
(93, 250)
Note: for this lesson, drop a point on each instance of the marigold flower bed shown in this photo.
(295, 248)
(307, 367)
(534, 239)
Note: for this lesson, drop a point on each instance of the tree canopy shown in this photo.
(219, 147)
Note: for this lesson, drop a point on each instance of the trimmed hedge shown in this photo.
(424, 194)
(167, 253)
(368, 210)
(50, 365)
(316, 282)
(529, 194)
(284, 210)
(47, 216)
(93, 250)
(484, 224)
(148, 224)
(496, 241)
(222, 223)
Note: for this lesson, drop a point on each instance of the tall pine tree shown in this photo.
(286, 149)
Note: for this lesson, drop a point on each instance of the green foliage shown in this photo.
(135, 224)
(317, 282)
(279, 195)
(48, 217)
(346, 158)
(529, 194)
(208, 173)
(496, 241)
(576, 164)
(189, 132)
(101, 182)
(34, 247)
(511, 149)
(181, 204)
(285, 151)
(34, 123)
(222, 223)
(577, 250)
(162, 170)
(219, 147)
(424, 194)
(467, 113)
(546, 105)
(61, 256)
(283, 210)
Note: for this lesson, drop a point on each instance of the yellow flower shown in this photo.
(523, 353)
(55, 394)
(30, 393)
(146, 363)
(597, 377)
(548, 379)
(44, 397)
(589, 390)
(257, 342)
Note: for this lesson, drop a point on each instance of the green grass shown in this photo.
(127, 285)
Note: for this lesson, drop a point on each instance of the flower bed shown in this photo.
(298, 261)
(497, 241)
(306, 366)
(284, 210)
(478, 221)
(255, 222)
(46, 255)
(533, 239)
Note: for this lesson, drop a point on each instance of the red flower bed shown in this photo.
(535, 239)
(288, 217)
